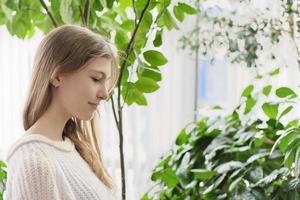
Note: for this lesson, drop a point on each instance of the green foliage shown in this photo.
(240, 33)
(3, 175)
(236, 156)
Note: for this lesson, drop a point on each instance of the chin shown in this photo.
(86, 117)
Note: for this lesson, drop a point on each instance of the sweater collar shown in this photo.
(65, 145)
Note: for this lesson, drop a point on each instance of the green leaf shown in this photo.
(293, 195)
(146, 197)
(2, 176)
(225, 167)
(286, 92)
(271, 177)
(163, 4)
(127, 25)
(182, 138)
(168, 20)
(187, 9)
(233, 46)
(155, 58)
(7, 12)
(103, 3)
(297, 162)
(275, 72)
(289, 158)
(217, 108)
(2, 164)
(286, 111)
(179, 14)
(259, 77)
(146, 85)
(250, 103)
(285, 139)
(271, 110)
(55, 9)
(169, 178)
(256, 174)
(156, 175)
(140, 5)
(142, 34)
(256, 157)
(203, 174)
(293, 184)
(121, 40)
(247, 91)
(125, 3)
(150, 73)
(110, 3)
(157, 41)
(131, 94)
(97, 5)
(267, 90)
(65, 11)
(12, 4)
(234, 184)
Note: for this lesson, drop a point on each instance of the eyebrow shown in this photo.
(97, 71)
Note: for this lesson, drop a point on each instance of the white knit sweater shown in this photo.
(43, 169)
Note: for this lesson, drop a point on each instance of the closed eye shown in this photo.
(95, 80)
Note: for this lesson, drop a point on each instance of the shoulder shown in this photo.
(24, 147)
(29, 156)
(28, 161)
(38, 144)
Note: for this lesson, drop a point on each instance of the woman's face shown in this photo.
(80, 93)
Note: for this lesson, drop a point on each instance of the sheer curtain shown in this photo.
(15, 68)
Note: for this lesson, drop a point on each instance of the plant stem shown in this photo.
(86, 13)
(49, 13)
(119, 122)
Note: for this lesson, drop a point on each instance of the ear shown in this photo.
(56, 82)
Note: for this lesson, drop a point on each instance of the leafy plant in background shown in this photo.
(2, 178)
(252, 153)
(247, 32)
(129, 24)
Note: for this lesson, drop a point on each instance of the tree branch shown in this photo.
(81, 15)
(114, 110)
(86, 13)
(49, 13)
(135, 13)
(130, 47)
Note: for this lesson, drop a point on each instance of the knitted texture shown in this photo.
(43, 169)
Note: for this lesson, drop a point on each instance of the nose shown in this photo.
(102, 92)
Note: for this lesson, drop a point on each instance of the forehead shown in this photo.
(101, 64)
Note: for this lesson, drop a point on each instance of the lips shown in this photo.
(94, 104)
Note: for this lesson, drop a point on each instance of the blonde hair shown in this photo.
(67, 49)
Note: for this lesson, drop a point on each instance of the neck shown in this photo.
(51, 124)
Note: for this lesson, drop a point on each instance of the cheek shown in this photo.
(75, 96)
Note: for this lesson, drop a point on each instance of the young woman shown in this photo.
(59, 155)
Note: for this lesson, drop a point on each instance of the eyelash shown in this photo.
(95, 80)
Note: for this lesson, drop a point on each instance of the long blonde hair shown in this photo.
(66, 49)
